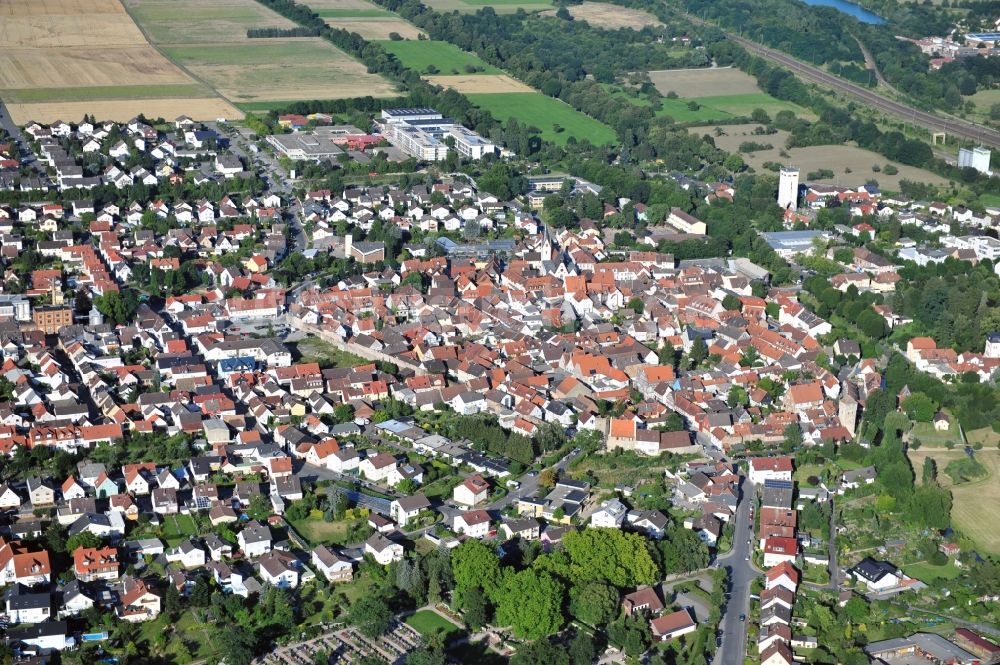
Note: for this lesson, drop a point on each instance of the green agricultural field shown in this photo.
(98, 93)
(680, 111)
(196, 22)
(447, 58)
(279, 69)
(557, 120)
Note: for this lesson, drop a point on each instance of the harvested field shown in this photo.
(813, 158)
(975, 505)
(610, 17)
(80, 67)
(199, 22)
(704, 82)
(122, 110)
(61, 59)
(61, 30)
(480, 83)
(375, 27)
(280, 69)
(53, 7)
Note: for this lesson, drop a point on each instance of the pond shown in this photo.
(850, 8)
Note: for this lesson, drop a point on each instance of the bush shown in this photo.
(890, 170)
(938, 558)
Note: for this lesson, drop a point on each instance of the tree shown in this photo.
(609, 555)
(530, 602)
(929, 471)
(474, 609)
(582, 650)
(371, 615)
(594, 603)
(425, 656)
(172, 601)
(920, 407)
(636, 305)
(541, 652)
(235, 644)
(82, 539)
(201, 592)
(698, 353)
(475, 564)
(547, 478)
(872, 324)
(793, 438)
(731, 302)
(117, 309)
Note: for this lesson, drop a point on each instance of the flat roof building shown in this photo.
(302, 146)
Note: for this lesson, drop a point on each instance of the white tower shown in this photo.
(788, 189)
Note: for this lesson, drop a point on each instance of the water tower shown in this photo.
(788, 189)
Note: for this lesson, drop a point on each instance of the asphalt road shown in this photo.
(741, 575)
(954, 127)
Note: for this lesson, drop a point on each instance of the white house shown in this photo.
(770, 468)
(383, 550)
(474, 523)
(254, 539)
(471, 492)
(610, 515)
(331, 565)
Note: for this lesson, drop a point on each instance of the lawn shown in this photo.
(557, 120)
(429, 623)
(316, 350)
(317, 530)
(185, 640)
(926, 572)
(447, 58)
(990, 199)
(928, 436)
(178, 527)
(745, 104)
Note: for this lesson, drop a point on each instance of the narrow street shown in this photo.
(741, 576)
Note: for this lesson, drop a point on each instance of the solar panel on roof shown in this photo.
(780, 484)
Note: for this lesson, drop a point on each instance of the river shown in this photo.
(849, 8)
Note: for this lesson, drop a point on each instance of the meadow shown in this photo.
(708, 82)
(445, 57)
(557, 120)
(854, 164)
(975, 508)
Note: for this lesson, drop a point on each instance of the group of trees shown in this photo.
(486, 433)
